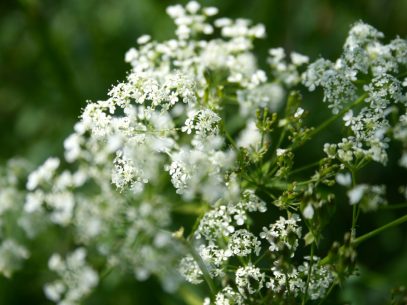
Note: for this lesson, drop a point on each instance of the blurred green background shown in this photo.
(55, 55)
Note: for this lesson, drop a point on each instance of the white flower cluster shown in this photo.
(249, 280)
(226, 297)
(243, 243)
(296, 279)
(11, 256)
(52, 192)
(321, 278)
(369, 197)
(363, 54)
(166, 143)
(13, 235)
(379, 64)
(164, 118)
(76, 278)
(335, 79)
(283, 234)
(224, 242)
(190, 270)
(286, 73)
(221, 221)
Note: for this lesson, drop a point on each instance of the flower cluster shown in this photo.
(199, 137)
(76, 278)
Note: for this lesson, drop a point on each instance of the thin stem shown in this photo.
(371, 234)
(105, 273)
(287, 283)
(332, 119)
(281, 138)
(319, 128)
(327, 294)
(366, 236)
(159, 131)
(190, 209)
(230, 139)
(270, 164)
(355, 211)
(207, 277)
(303, 168)
(304, 297)
(261, 257)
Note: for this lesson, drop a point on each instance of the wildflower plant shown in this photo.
(191, 169)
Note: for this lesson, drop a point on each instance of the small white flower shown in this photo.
(298, 59)
(210, 11)
(43, 174)
(403, 160)
(308, 212)
(348, 118)
(143, 39)
(280, 152)
(344, 179)
(356, 193)
(299, 112)
(175, 11)
(222, 22)
(193, 7)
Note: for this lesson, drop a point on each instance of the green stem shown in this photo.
(366, 236)
(327, 294)
(207, 277)
(281, 138)
(261, 257)
(371, 234)
(305, 295)
(355, 209)
(332, 119)
(317, 129)
(305, 167)
(190, 209)
(230, 139)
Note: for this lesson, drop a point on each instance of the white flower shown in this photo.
(243, 243)
(12, 255)
(308, 212)
(175, 11)
(249, 279)
(250, 137)
(193, 7)
(143, 40)
(356, 193)
(43, 174)
(34, 201)
(284, 233)
(210, 11)
(76, 278)
(344, 179)
(280, 152)
(403, 160)
(348, 118)
(298, 59)
(299, 112)
(189, 269)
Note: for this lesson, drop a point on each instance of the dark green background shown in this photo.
(55, 55)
